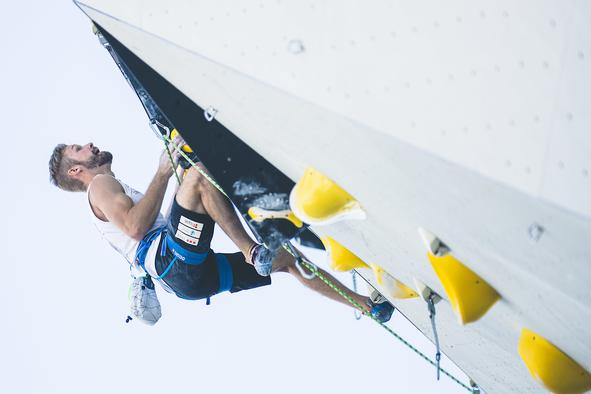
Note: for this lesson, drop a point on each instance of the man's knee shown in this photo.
(195, 178)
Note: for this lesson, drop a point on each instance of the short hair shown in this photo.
(59, 164)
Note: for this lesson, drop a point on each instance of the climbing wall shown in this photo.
(467, 120)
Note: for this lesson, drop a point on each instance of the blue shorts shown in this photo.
(198, 272)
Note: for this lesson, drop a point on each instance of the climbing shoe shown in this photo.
(262, 259)
(381, 309)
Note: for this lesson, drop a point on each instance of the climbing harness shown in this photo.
(431, 308)
(168, 243)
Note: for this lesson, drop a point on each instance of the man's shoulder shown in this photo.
(104, 184)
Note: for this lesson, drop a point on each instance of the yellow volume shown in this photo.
(316, 199)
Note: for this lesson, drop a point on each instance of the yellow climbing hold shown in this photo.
(391, 285)
(316, 199)
(185, 148)
(379, 273)
(470, 296)
(550, 366)
(400, 290)
(341, 258)
(260, 214)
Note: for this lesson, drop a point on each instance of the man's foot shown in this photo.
(381, 309)
(262, 259)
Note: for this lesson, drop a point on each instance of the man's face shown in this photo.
(88, 155)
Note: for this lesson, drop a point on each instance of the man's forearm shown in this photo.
(143, 214)
(179, 173)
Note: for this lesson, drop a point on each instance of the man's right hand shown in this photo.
(166, 168)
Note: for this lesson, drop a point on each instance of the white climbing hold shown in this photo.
(210, 113)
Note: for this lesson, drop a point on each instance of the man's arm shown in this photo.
(135, 220)
(179, 172)
(108, 196)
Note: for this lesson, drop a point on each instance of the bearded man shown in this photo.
(176, 249)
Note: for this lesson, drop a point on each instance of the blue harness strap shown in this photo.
(142, 249)
(186, 256)
(225, 272)
(144, 246)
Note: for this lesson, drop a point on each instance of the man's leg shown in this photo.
(197, 194)
(285, 262)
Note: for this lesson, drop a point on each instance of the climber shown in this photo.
(175, 248)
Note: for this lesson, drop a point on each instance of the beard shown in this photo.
(101, 158)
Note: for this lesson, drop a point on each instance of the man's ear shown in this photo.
(74, 171)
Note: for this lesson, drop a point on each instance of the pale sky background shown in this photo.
(64, 291)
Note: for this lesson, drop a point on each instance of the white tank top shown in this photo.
(121, 242)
